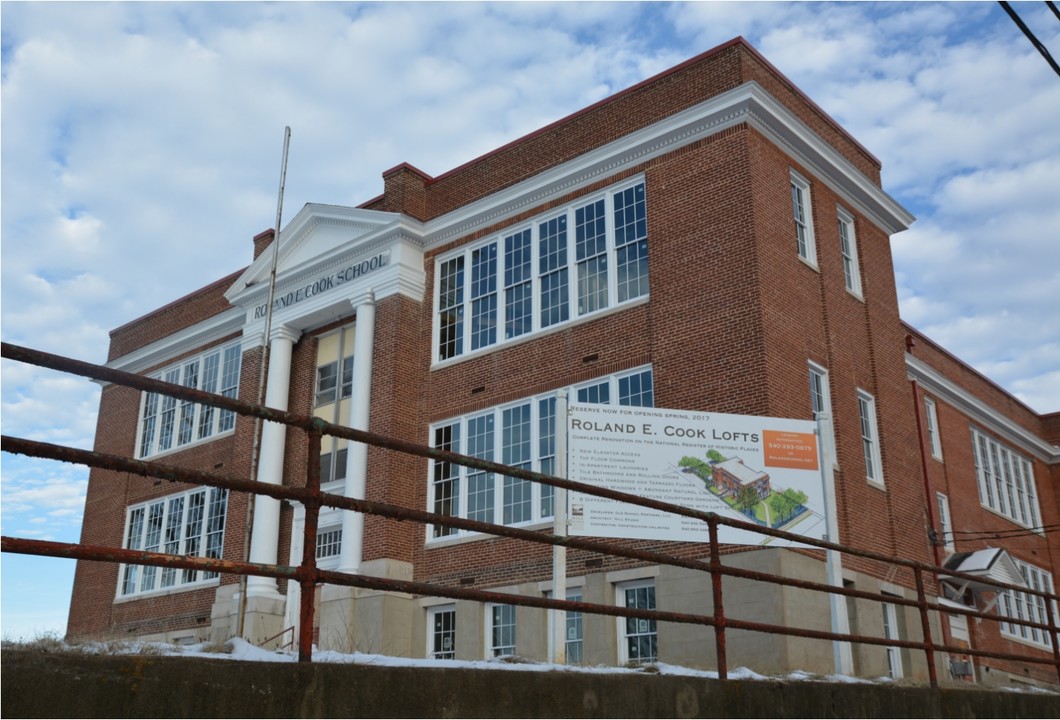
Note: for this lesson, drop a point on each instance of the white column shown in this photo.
(264, 543)
(352, 551)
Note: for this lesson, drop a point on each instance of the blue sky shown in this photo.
(141, 147)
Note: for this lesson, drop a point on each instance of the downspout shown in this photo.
(910, 343)
(933, 533)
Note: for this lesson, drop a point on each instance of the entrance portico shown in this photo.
(334, 263)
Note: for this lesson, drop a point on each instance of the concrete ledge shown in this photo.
(59, 685)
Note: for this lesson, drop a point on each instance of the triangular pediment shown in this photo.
(991, 566)
(316, 233)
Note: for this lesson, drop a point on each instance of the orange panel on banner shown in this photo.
(790, 449)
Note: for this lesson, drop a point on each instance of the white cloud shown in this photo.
(141, 149)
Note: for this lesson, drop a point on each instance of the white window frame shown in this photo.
(895, 670)
(870, 438)
(455, 434)
(848, 249)
(945, 522)
(159, 427)
(184, 523)
(643, 628)
(497, 622)
(574, 635)
(1024, 606)
(934, 439)
(821, 397)
(328, 547)
(503, 285)
(433, 635)
(802, 216)
(1006, 481)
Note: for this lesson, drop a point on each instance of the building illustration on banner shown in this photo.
(453, 310)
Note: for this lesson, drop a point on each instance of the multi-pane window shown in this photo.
(329, 542)
(890, 632)
(803, 214)
(820, 396)
(328, 387)
(189, 523)
(451, 308)
(848, 248)
(523, 435)
(518, 285)
(1006, 481)
(166, 423)
(639, 637)
(583, 259)
(870, 437)
(933, 428)
(441, 624)
(332, 398)
(1027, 607)
(575, 629)
(502, 630)
(332, 465)
(945, 524)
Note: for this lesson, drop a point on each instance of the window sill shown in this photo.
(876, 484)
(450, 540)
(529, 337)
(812, 264)
(856, 295)
(1025, 641)
(122, 599)
(188, 446)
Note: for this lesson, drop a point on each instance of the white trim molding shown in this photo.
(944, 389)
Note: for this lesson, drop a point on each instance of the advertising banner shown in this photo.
(760, 470)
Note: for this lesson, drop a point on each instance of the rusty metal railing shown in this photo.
(309, 576)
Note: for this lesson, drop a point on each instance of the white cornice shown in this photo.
(747, 103)
(190, 338)
(934, 382)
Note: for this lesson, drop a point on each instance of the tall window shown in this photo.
(502, 630)
(1028, 608)
(639, 635)
(166, 424)
(1006, 481)
(441, 623)
(523, 435)
(188, 523)
(848, 248)
(945, 524)
(820, 397)
(334, 390)
(803, 214)
(933, 428)
(574, 634)
(575, 630)
(890, 632)
(870, 437)
(587, 257)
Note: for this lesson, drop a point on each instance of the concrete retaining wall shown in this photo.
(48, 685)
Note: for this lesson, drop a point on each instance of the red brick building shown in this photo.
(449, 311)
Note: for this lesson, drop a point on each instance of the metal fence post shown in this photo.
(308, 569)
(925, 624)
(719, 608)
